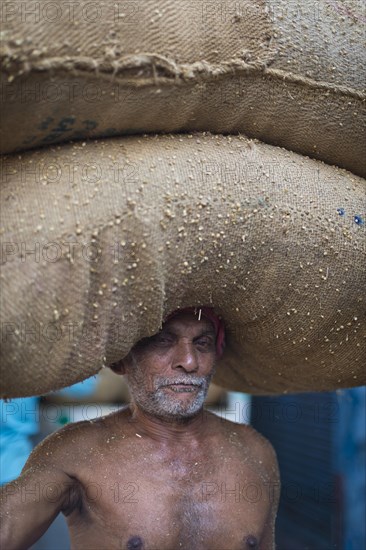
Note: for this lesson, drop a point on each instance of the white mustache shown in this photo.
(182, 380)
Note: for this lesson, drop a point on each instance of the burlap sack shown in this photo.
(101, 240)
(290, 73)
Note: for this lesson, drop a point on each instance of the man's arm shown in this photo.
(30, 503)
(273, 490)
(268, 537)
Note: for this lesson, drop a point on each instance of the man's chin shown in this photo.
(177, 413)
(171, 406)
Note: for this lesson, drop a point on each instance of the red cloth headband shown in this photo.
(207, 312)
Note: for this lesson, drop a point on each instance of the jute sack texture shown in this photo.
(291, 74)
(100, 241)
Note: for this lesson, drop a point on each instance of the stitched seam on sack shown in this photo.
(163, 71)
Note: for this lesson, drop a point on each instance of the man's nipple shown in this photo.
(251, 541)
(135, 543)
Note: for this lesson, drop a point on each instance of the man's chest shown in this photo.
(175, 505)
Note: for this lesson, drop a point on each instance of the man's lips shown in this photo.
(182, 388)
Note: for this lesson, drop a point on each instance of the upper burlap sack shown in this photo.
(101, 240)
(288, 73)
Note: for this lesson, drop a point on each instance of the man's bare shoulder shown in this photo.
(251, 443)
(65, 445)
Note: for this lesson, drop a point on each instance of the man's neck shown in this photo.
(192, 429)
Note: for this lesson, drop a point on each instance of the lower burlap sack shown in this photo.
(101, 240)
(289, 73)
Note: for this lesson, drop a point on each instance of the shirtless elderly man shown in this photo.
(160, 473)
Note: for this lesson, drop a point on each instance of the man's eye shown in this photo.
(163, 339)
(205, 342)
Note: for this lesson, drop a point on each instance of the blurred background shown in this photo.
(320, 440)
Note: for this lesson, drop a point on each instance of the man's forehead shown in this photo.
(190, 321)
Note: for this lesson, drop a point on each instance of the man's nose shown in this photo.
(185, 356)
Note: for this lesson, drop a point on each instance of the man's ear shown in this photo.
(120, 366)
